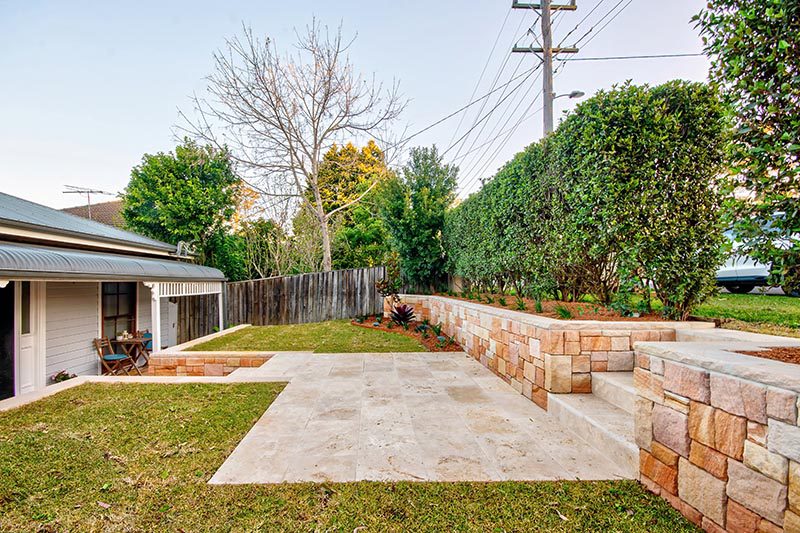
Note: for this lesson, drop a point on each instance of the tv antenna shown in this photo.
(74, 189)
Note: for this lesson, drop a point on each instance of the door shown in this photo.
(7, 336)
(30, 356)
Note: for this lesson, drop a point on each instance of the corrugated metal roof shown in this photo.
(18, 212)
(20, 261)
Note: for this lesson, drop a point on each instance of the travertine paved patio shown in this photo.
(413, 416)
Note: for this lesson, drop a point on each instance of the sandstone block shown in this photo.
(701, 423)
(784, 439)
(620, 344)
(572, 348)
(791, 522)
(582, 383)
(794, 486)
(729, 434)
(643, 423)
(665, 476)
(595, 344)
(643, 361)
(671, 429)
(765, 526)
(757, 433)
(657, 366)
(664, 454)
(740, 518)
(581, 363)
(676, 401)
(620, 361)
(686, 381)
(762, 460)
(762, 495)
(709, 526)
(709, 460)
(782, 405)
(648, 385)
(558, 373)
(702, 491)
(739, 397)
(572, 336)
(599, 366)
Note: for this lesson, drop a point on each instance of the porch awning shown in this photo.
(24, 261)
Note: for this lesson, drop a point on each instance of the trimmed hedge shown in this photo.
(622, 196)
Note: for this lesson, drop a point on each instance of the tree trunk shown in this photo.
(327, 261)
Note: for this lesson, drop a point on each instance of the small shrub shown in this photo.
(403, 314)
(437, 329)
(502, 301)
(520, 303)
(62, 376)
(489, 300)
(563, 312)
(538, 306)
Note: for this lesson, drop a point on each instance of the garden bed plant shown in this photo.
(582, 310)
(403, 321)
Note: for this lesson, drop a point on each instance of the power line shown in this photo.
(485, 65)
(616, 58)
(454, 113)
(487, 114)
(593, 37)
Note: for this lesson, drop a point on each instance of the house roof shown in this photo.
(108, 213)
(32, 216)
(24, 261)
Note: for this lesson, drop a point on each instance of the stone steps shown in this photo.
(616, 388)
(606, 426)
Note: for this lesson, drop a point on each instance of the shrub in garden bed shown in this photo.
(621, 199)
(429, 335)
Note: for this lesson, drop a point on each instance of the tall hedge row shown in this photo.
(621, 197)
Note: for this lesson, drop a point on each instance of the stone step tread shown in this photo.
(604, 426)
(616, 388)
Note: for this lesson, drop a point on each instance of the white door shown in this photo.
(28, 329)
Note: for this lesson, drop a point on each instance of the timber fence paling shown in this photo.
(304, 298)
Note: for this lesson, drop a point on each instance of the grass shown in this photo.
(337, 336)
(136, 457)
(760, 313)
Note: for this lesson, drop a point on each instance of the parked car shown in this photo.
(741, 273)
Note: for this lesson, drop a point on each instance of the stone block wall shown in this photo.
(719, 438)
(203, 363)
(539, 355)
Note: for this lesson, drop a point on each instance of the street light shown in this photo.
(573, 94)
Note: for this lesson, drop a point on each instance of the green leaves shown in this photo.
(624, 194)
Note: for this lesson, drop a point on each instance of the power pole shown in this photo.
(547, 51)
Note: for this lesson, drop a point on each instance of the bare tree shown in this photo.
(278, 114)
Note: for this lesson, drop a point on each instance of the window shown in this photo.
(25, 308)
(119, 308)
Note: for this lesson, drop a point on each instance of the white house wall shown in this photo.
(72, 321)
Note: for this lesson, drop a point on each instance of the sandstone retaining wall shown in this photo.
(718, 433)
(539, 355)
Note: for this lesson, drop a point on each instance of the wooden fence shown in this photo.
(304, 298)
(197, 316)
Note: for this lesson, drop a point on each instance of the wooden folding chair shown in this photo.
(114, 363)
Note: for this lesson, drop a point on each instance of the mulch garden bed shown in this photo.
(429, 341)
(550, 309)
(784, 354)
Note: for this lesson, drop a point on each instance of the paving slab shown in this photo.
(403, 416)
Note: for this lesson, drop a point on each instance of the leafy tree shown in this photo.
(755, 50)
(186, 195)
(413, 208)
(280, 114)
(347, 172)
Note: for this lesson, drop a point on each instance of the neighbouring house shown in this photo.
(66, 280)
(109, 213)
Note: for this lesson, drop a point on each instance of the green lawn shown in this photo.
(763, 313)
(136, 457)
(337, 336)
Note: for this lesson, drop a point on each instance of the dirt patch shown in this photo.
(416, 330)
(556, 309)
(784, 354)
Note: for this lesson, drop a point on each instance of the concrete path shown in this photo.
(415, 416)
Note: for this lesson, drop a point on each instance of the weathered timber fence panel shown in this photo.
(197, 316)
(304, 298)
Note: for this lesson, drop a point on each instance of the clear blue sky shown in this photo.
(86, 87)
